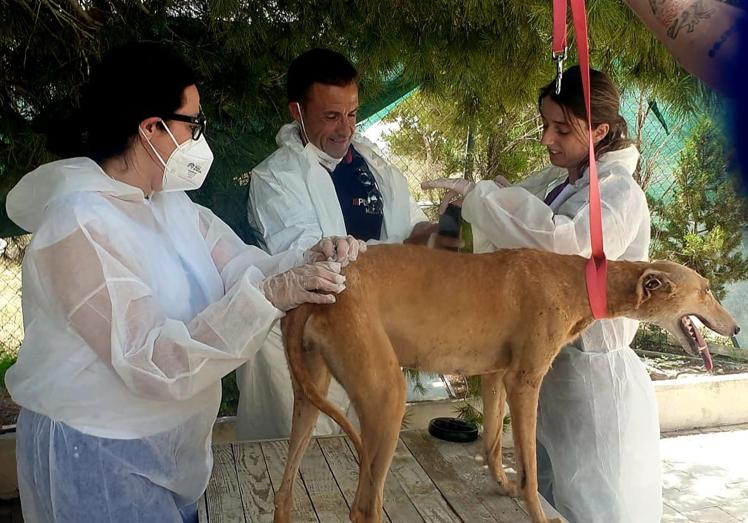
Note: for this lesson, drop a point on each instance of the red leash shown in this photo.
(597, 266)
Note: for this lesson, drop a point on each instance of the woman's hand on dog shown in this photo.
(341, 249)
(312, 283)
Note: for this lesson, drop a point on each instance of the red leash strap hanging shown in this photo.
(597, 266)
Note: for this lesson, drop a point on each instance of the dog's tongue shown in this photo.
(708, 364)
(703, 349)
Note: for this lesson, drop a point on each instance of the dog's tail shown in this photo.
(292, 326)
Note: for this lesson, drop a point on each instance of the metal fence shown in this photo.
(11, 321)
(426, 139)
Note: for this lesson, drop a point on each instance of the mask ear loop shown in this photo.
(158, 155)
(171, 135)
(303, 127)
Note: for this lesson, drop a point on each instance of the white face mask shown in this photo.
(327, 161)
(187, 166)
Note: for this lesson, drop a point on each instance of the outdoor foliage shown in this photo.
(700, 223)
(434, 131)
(6, 360)
(480, 54)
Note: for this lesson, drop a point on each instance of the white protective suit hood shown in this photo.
(293, 203)
(28, 200)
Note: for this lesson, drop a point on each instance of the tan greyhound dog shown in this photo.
(504, 316)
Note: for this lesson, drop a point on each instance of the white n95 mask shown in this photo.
(327, 161)
(187, 166)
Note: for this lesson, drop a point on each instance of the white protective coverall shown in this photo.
(133, 310)
(293, 203)
(597, 417)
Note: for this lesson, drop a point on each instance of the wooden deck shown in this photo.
(430, 480)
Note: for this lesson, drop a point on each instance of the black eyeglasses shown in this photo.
(198, 123)
(374, 203)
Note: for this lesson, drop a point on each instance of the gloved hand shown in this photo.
(304, 284)
(458, 188)
(342, 249)
(502, 182)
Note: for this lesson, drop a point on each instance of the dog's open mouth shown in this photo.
(697, 341)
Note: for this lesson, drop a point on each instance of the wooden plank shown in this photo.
(224, 503)
(343, 465)
(327, 499)
(254, 482)
(275, 453)
(460, 498)
(548, 510)
(202, 510)
(342, 462)
(397, 505)
(471, 468)
(419, 488)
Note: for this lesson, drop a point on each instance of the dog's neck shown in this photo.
(622, 280)
(622, 299)
(623, 277)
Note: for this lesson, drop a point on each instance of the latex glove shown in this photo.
(342, 249)
(502, 182)
(304, 284)
(457, 188)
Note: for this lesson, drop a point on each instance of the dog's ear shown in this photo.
(650, 282)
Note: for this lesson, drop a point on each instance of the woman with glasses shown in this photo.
(137, 301)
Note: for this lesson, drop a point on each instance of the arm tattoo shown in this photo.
(722, 39)
(678, 14)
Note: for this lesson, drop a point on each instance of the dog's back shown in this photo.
(448, 312)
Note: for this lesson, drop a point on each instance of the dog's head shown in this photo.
(668, 294)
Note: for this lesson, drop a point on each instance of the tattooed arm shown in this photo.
(700, 34)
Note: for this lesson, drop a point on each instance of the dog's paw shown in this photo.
(510, 488)
(359, 517)
(281, 516)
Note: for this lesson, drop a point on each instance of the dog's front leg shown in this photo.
(493, 394)
(523, 390)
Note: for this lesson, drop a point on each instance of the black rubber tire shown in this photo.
(453, 429)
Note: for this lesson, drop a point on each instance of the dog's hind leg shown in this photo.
(305, 415)
(523, 390)
(376, 386)
(493, 394)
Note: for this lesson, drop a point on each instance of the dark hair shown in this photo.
(132, 82)
(604, 103)
(322, 66)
